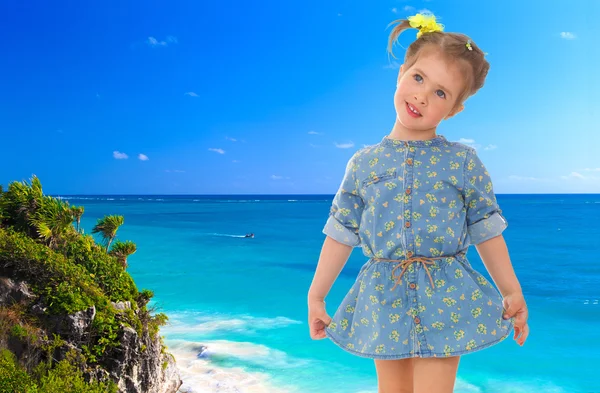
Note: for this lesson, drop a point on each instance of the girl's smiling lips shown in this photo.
(412, 110)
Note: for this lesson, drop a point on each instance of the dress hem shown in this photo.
(408, 355)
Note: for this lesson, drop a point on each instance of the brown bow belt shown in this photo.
(404, 263)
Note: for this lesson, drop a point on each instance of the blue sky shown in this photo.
(273, 97)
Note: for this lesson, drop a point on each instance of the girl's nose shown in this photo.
(420, 99)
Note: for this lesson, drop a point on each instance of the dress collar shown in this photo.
(438, 140)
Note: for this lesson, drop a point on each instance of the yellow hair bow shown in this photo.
(425, 23)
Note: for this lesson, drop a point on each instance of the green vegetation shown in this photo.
(64, 377)
(68, 272)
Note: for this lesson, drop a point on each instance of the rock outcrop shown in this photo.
(138, 364)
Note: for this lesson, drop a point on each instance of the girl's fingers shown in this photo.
(524, 335)
(521, 317)
(521, 334)
(317, 329)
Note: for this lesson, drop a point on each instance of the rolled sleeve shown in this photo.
(484, 216)
(346, 209)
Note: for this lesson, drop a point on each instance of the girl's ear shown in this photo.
(399, 75)
(455, 112)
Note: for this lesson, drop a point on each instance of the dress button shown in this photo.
(409, 161)
(407, 224)
(417, 320)
(412, 285)
(408, 191)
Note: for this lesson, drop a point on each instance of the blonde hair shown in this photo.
(454, 46)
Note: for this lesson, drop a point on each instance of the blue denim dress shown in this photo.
(415, 207)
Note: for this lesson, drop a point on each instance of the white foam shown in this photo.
(223, 234)
(465, 387)
(538, 386)
(501, 386)
(241, 324)
(199, 374)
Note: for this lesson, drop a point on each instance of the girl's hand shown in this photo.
(318, 319)
(514, 304)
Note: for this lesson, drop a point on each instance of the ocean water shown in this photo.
(237, 306)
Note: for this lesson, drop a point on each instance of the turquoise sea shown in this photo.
(237, 306)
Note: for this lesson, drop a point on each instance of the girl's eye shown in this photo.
(441, 94)
(418, 78)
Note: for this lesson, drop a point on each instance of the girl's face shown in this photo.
(427, 92)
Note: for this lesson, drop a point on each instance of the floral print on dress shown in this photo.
(403, 199)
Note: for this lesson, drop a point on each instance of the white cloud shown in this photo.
(409, 8)
(220, 151)
(191, 94)
(574, 175)
(344, 145)
(393, 65)
(314, 133)
(524, 178)
(174, 171)
(474, 145)
(277, 177)
(567, 35)
(231, 139)
(143, 157)
(120, 156)
(425, 11)
(592, 169)
(313, 145)
(469, 142)
(578, 177)
(395, 10)
(235, 161)
(153, 42)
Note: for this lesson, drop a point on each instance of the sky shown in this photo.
(274, 97)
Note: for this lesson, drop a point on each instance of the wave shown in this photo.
(201, 371)
(223, 235)
(205, 324)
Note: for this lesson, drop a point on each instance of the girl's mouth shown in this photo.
(412, 111)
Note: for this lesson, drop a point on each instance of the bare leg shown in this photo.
(394, 376)
(435, 375)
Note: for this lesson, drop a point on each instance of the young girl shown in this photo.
(415, 202)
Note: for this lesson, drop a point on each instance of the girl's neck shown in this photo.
(405, 134)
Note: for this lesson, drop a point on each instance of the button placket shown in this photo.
(409, 153)
(412, 278)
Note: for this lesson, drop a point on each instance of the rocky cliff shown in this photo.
(138, 364)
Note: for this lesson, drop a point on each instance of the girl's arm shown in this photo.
(494, 254)
(334, 256)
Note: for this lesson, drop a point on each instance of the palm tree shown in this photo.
(77, 213)
(19, 204)
(107, 226)
(121, 250)
(53, 220)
